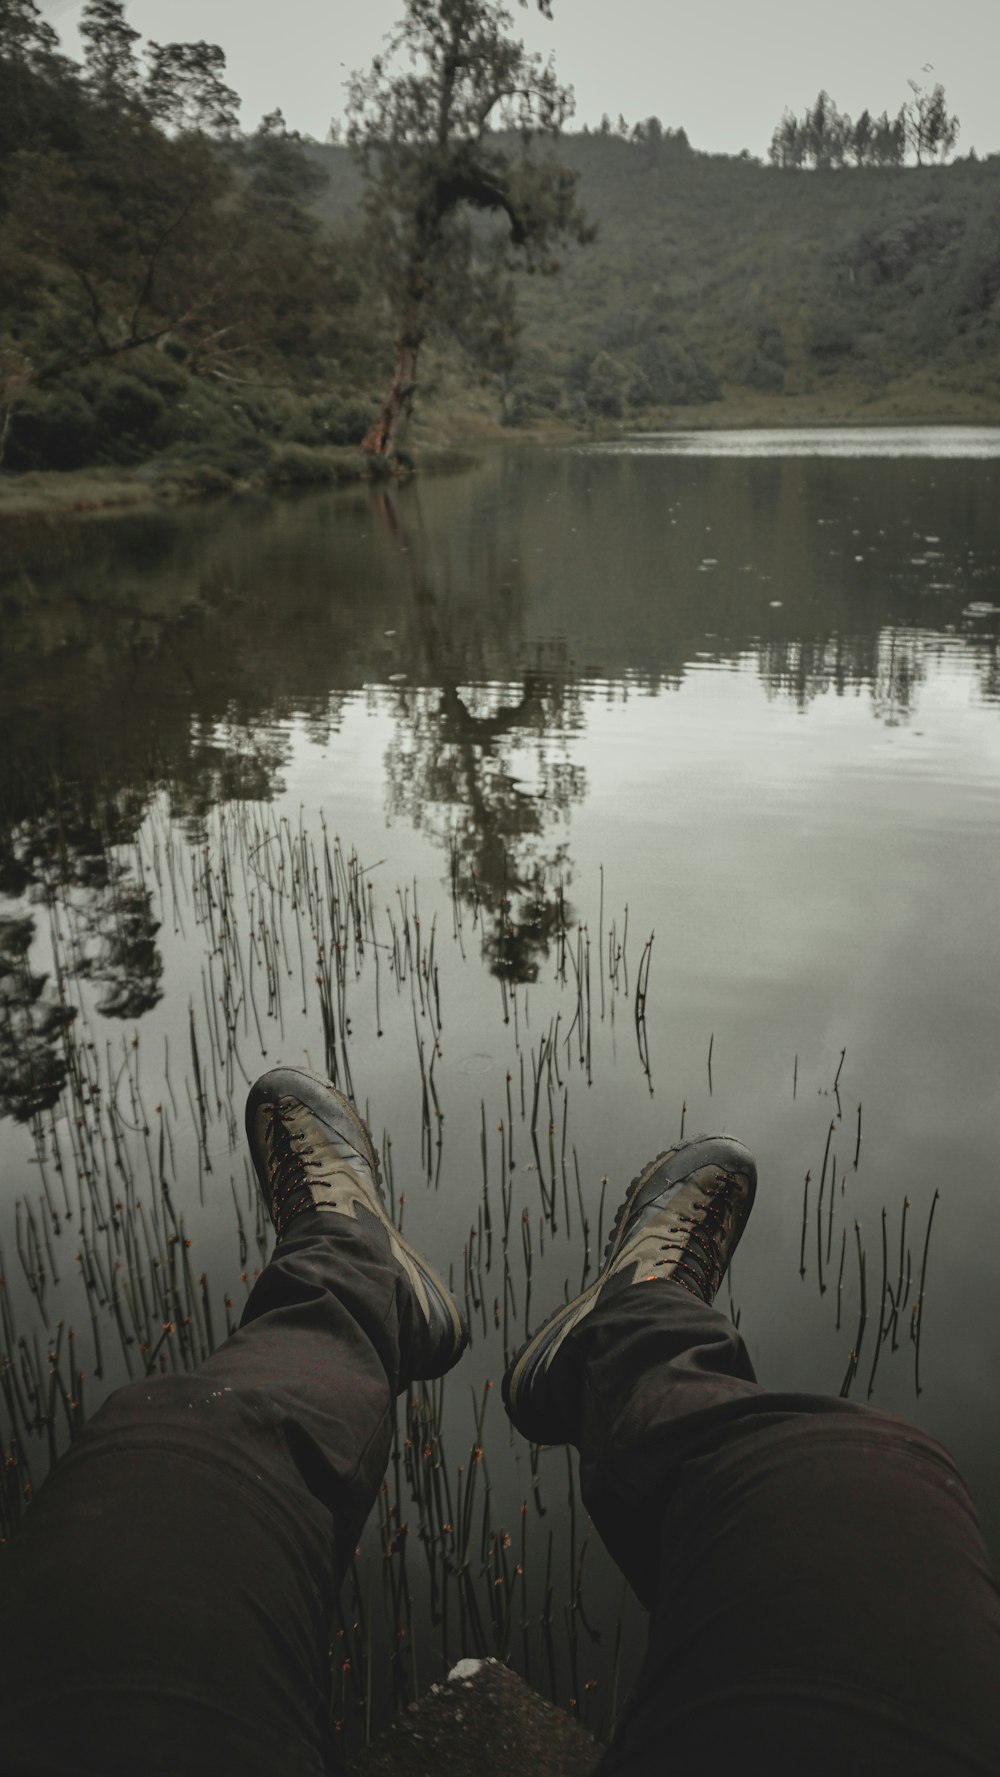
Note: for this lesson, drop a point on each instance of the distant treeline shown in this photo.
(825, 137)
(822, 137)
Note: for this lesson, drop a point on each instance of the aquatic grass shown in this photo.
(855, 1351)
(917, 1317)
(881, 1310)
(136, 1172)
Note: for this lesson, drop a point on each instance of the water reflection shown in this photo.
(68, 857)
(855, 443)
(485, 768)
(176, 649)
(142, 642)
(748, 703)
(32, 1021)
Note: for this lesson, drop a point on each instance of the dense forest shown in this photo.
(718, 288)
(175, 292)
(166, 286)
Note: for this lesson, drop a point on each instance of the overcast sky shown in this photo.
(724, 69)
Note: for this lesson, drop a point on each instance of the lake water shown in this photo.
(737, 694)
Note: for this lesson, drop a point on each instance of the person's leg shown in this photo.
(168, 1600)
(821, 1597)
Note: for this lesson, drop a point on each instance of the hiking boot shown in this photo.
(311, 1151)
(680, 1222)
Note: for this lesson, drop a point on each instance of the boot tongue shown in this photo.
(334, 1147)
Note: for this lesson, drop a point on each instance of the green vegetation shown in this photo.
(166, 289)
(738, 293)
(189, 309)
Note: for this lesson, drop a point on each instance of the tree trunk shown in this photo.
(380, 440)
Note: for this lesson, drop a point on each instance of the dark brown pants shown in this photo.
(821, 1598)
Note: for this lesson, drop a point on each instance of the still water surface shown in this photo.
(742, 700)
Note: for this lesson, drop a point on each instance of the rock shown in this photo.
(483, 1721)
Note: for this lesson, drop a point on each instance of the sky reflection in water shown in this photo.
(752, 697)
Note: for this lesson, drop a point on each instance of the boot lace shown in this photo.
(697, 1258)
(289, 1155)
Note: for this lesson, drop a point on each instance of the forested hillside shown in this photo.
(736, 289)
(710, 278)
(173, 290)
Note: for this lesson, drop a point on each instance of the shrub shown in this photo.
(764, 367)
(770, 342)
(519, 407)
(295, 465)
(237, 456)
(829, 336)
(675, 375)
(605, 386)
(50, 431)
(131, 409)
(548, 393)
(761, 372)
(209, 480)
(319, 419)
(348, 420)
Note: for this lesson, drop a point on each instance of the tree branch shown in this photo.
(147, 283)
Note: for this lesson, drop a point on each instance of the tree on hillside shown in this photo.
(827, 133)
(124, 228)
(140, 243)
(658, 144)
(825, 137)
(112, 67)
(33, 78)
(788, 146)
(930, 131)
(877, 141)
(426, 122)
(116, 216)
(888, 142)
(822, 138)
(860, 143)
(185, 89)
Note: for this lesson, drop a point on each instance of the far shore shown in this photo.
(446, 443)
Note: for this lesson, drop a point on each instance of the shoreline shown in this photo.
(445, 447)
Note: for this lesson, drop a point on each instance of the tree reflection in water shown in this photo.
(175, 653)
(486, 768)
(32, 1022)
(79, 857)
(69, 858)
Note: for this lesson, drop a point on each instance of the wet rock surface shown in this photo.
(482, 1722)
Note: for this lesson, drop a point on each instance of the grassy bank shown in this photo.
(58, 493)
(97, 489)
(451, 443)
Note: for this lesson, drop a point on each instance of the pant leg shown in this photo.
(821, 1596)
(169, 1597)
